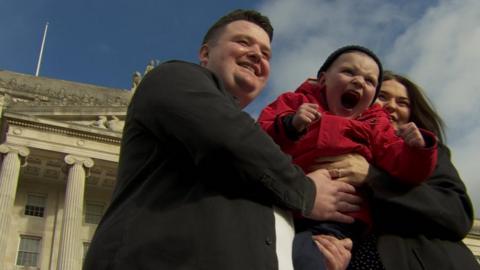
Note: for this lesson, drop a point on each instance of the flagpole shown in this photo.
(41, 50)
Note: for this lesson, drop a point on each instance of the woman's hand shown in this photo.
(337, 253)
(350, 168)
(411, 135)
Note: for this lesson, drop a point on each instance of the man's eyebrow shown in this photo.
(267, 48)
(263, 47)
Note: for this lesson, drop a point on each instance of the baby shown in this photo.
(336, 114)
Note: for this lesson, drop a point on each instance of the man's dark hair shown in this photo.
(236, 15)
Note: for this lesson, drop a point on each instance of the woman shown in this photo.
(415, 228)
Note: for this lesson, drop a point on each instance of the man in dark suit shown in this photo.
(200, 185)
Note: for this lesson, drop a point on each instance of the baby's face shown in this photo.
(350, 84)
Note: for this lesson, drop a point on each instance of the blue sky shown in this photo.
(103, 42)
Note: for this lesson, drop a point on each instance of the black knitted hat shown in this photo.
(352, 48)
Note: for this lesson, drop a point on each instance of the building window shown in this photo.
(35, 205)
(93, 212)
(28, 251)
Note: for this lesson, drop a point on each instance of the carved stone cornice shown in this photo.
(40, 91)
(86, 133)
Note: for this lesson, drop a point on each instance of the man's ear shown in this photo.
(203, 54)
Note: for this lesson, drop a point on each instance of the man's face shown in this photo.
(350, 84)
(240, 57)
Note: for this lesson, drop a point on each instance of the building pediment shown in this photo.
(66, 107)
(86, 115)
(102, 127)
(27, 90)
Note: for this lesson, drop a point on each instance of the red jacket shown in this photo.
(371, 135)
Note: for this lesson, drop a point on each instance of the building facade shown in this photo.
(59, 150)
(59, 146)
(473, 240)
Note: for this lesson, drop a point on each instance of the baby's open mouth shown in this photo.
(350, 99)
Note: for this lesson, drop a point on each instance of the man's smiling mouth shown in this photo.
(250, 68)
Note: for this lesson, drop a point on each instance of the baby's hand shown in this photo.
(411, 135)
(306, 114)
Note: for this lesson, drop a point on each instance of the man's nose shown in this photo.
(255, 54)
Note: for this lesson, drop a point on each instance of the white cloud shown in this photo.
(465, 157)
(437, 46)
(306, 31)
(440, 52)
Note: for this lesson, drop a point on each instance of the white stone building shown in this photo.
(473, 240)
(59, 143)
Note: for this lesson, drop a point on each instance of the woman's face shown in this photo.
(394, 98)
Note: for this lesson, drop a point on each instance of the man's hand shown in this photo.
(333, 198)
(337, 253)
(306, 114)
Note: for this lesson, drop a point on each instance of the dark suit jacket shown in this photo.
(422, 227)
(196, 182)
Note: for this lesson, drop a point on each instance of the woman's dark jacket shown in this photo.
(422, 227)
(196, 182)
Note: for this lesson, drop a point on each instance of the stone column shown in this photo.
(70, 253)
(2, 105)
(12, 159)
